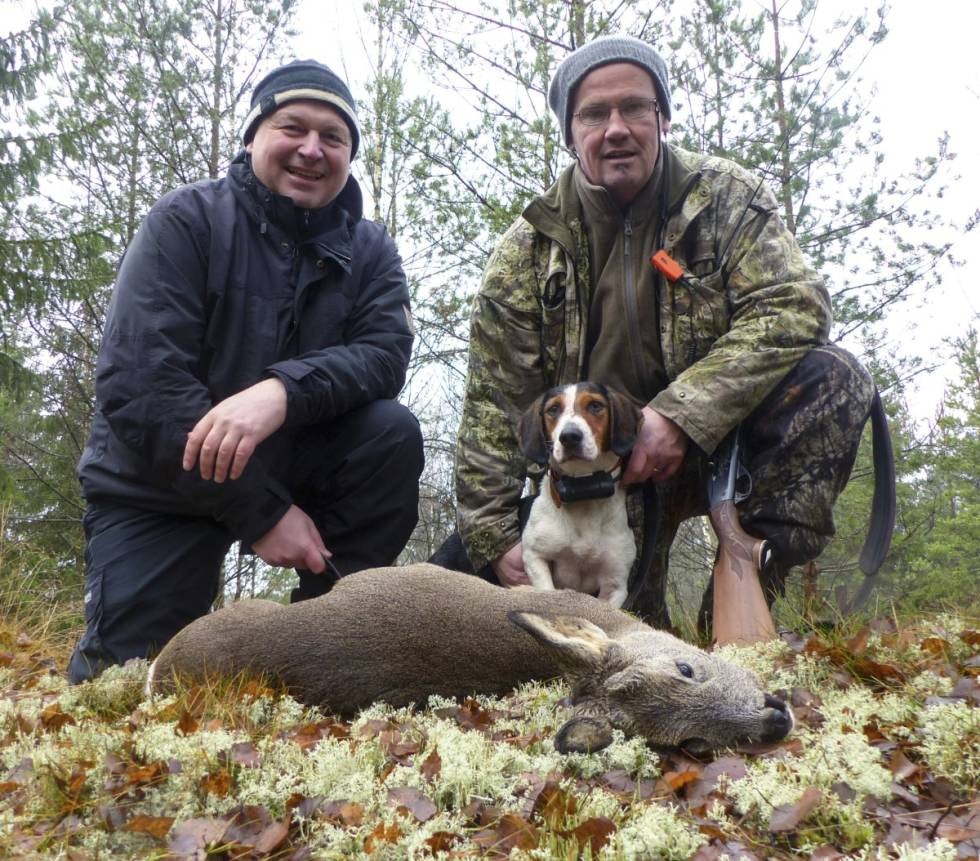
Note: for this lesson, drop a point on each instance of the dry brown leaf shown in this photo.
(382, 834)
(272, 836)
(508, 833)
(705, 787)
(878, 671)
(471, 715)
(625, 787)
(934, 646)
(967, 688)
(553, 805)
(393, 744)
(187, 724)
(245, 754)
(480, 813)
(413, 802)
(443, 841)
(859, 642)
(217, 783)
(594, 833)
(374, 727)
(156, 826)
(431, 766)
(149, 773)
(53, 718)
(902, 767)
(677, 780)
(343, 813)
(787, 816)
(802, 697)
(525, 741)
(191, 838)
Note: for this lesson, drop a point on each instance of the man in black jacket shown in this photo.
(258, 334)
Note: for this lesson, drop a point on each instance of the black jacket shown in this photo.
(226, 284)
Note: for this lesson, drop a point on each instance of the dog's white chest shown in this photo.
(587, 546)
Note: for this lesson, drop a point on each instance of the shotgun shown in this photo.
(741, 612)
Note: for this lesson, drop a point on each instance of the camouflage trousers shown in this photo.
(800, 444)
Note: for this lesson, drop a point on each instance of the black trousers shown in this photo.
(149, 573)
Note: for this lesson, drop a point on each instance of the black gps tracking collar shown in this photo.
(578, 488)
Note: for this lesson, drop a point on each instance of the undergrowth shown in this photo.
(884, 763)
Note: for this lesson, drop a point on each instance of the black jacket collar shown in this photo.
(325, 232)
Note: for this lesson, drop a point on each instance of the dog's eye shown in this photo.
(596, 407)
(685, 670)
(552, 411)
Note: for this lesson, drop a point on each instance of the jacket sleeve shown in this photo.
(148, 376)
(372, 361)
(504, 376)
(776, 309)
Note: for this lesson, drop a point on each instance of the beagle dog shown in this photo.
(577, 534)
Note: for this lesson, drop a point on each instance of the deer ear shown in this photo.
(576, 644)
(624, 422)
(584, 734)
(530, 433)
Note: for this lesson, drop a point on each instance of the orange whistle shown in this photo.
(666, 266)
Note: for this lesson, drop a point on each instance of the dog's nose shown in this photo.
(570, 437)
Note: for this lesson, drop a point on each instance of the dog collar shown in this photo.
(578, 488)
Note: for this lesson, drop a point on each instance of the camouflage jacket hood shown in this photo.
(748, 310)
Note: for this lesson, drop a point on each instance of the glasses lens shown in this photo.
(635, 109)
(594, 114)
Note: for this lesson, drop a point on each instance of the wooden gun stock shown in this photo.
(741, 613)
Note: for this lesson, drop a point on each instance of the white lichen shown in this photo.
(950, 734)
(653, 831)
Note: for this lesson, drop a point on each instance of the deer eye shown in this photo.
(685, 670)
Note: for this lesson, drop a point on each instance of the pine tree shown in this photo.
(134, 99)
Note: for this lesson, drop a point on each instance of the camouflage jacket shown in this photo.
(747, 311)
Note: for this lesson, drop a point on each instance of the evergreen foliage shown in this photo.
(104, 107)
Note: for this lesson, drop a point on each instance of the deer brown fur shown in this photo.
(402, 634)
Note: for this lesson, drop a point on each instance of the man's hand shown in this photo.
(658, 452)
(227, 436)
(294, 542)
(509, 567)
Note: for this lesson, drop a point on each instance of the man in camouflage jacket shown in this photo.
(569, 294)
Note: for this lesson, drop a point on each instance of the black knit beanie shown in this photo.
(302, 79)
(602, 52)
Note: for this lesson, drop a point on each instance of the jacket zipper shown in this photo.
(632, 314)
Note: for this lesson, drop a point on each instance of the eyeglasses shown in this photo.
(629, 110)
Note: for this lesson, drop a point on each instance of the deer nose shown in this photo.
(778, 720)
(570, 437)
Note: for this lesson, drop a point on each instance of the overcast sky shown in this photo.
(927, 76)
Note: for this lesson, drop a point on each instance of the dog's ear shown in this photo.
(530, 433)
(624, 422)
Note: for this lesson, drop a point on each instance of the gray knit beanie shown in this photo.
(302, 79)
(602, 52)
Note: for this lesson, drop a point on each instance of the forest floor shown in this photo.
(884, 763)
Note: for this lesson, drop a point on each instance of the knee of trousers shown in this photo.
(835, 365)
(391, 427)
